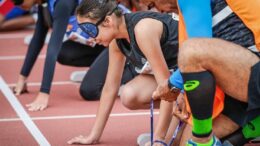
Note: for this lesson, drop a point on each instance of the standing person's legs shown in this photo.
(204, 62)
(94, 80)
(20, 22)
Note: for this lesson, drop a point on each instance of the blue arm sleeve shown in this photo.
(176, 79)
(197, 16)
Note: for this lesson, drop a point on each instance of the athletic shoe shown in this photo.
(28, 39)
(143, 139)
(216, 142)
(227, 143)
(78, 76)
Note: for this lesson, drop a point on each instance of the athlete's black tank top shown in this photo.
(169, 39)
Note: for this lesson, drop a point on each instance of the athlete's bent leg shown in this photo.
(202, 61)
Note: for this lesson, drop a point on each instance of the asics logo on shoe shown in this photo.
(191, 85)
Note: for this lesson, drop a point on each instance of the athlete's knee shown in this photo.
(128, 98)
(90, 92)
(190, 53)
(189, 50)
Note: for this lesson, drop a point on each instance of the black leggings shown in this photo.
(76, 54)
(93, 82)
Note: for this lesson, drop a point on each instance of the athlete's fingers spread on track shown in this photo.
(42, 108)
(20, 88)
(37, 107)
(40, 103)
(82, 140)
(34, 107)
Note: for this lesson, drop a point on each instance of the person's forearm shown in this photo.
(60, 22)
(106, 104)
(164, 119)
(165, 107)
(35, 45)
(49, 67)
(110, 89)
(17, 23)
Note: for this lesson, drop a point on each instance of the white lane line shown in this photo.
(20, 111)
(39, 83)
(4, 58)
(14, 36)
(79, 116)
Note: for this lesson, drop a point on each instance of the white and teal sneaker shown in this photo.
(215, 142)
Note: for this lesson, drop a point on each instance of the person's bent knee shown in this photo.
(190, 53)
(128, 98)
(90, 94)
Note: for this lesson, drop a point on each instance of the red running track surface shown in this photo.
(65, 103)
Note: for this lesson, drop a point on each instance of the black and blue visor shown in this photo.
(92, 29)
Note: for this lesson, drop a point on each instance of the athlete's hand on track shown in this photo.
(40, 103)
(21, 86)
(88, 140)
(163, 92)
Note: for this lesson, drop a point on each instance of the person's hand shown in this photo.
(40, 103)
(163, 92)
(88, 140)
(21, 86)
(179, 108)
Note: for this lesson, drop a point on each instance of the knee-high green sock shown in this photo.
(252, 129)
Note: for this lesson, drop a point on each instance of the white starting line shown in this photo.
(79, 116)
(20, 111)
(14, 36)
(21, 57)
(39, 83)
